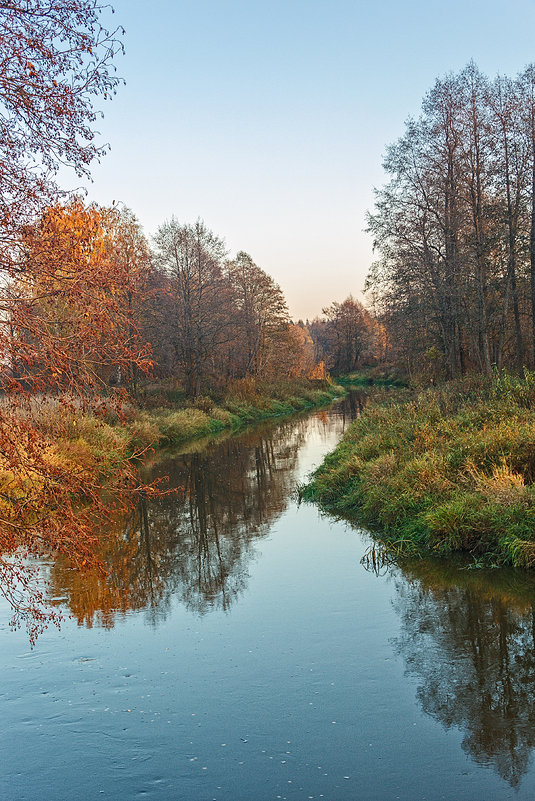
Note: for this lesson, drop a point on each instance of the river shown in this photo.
(241, 651)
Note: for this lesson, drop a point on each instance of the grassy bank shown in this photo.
(97, 448)
(372, 377)
(245, 402)
(449, 470)
(83, 439)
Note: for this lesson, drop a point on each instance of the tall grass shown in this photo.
(373, 377)
(245, 401)
(78, 439)
(450, 469)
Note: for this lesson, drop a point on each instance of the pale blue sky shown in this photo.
(269, 119)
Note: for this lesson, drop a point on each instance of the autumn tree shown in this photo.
(526, 87)
(73, 320)
(58, 292)
(55, 61)
(130, 259)
(510, 155)
(70, 324)
(344, 338)
(416, 227)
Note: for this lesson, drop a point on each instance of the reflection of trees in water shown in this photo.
(470, 640)
(342, 414)
(197, 543)
(351, 406)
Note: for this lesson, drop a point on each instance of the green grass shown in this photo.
(450, 470)
(103, 442)
(372, 377)
(245, 402)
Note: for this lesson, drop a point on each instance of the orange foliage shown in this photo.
(55, 60)
(69, 321)
(319, 371)
(70, 310)
(65, 298)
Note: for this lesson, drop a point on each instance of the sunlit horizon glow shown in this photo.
(269, 120)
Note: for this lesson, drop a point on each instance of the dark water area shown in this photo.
(240, 649)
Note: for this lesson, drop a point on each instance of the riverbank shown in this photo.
(372, 377)
(449, 470)
(100, 452)
(246, 402)
(83, 440)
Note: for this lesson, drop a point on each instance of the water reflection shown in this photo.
(194, 544)
(469, 638)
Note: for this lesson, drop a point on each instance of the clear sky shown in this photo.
(269, 118)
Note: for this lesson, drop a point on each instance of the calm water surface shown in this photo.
(240, 651)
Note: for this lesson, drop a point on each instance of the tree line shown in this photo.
(454, 228)
(93, 303)
(347, 337)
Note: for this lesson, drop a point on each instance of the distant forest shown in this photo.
(92, 302)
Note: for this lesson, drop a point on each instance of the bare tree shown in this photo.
(261, 314)
(191, 259)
